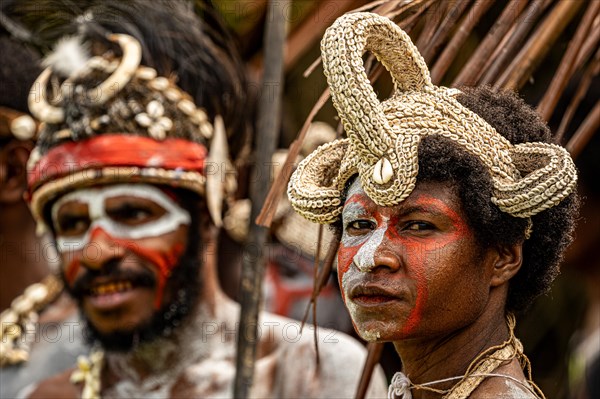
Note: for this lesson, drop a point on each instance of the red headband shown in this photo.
(118, 150)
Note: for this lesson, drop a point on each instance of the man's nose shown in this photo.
(100, 249)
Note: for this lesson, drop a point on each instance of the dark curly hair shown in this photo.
(442, 160)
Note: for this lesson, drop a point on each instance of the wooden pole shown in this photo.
(467, 24)
(567, 67)
(538, 45)
(522, 26)
(253, 267)
(474, 67)
(374, 351)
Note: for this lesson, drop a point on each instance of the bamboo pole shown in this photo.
(591, 71)
(432, 20)
(586, 131)
(522, 26)
(538, 45)
(311, 29)
(590, 44)
(474, 67)
(441, 34)
(467, 24)
(567, 67)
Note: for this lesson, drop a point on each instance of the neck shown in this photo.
(23, 257)
(153, 368)
(427, 360)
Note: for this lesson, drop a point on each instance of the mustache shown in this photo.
(112, 271)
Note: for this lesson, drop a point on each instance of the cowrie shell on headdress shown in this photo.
(23, 127)
(383, 171)
(173, 94)
(155, 109)
(145, 73)
(160, 83)
(187, 107)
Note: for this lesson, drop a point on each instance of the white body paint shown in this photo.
(365, 257)
(95, 198)
(202, 357)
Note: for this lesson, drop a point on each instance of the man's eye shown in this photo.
(360, 225)
(73, 225)
(418, 226)
(131, 214)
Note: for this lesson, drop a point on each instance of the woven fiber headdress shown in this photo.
(383, 137)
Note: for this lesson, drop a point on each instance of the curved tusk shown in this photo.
(38, 104)
(132, 55)
(218, 156)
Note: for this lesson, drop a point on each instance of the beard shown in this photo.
(184, 286)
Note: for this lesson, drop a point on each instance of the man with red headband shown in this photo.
(120, 177)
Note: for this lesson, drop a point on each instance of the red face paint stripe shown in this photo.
(164, 261)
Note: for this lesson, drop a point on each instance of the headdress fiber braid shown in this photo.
(383, 137)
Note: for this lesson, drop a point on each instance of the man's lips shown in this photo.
(109, 294)
(110, 287)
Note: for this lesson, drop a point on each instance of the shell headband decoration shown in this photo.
(383, 137)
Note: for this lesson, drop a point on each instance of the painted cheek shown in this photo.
(416, 258)
(72, 270)
(422, 252)
(349, 246)
(164, 260)
(345, 258)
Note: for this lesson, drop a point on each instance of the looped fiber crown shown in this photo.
(383, 137)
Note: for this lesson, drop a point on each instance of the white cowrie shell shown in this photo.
(206, 130)
(155, 109)
(172, 94)
(160, 83)
(187, 107)
(383, 171)
(23, 127)
(143, 119)
(145, 73)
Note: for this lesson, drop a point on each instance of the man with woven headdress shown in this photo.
(38, 335)
(453, 207)
(124, 177)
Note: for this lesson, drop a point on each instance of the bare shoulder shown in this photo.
(341, 360)
(511, 385)
(59, 386)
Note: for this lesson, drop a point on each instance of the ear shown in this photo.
(14, 176)
(508, 261)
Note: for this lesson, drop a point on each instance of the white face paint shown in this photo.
(365, 257)
(95, 199)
